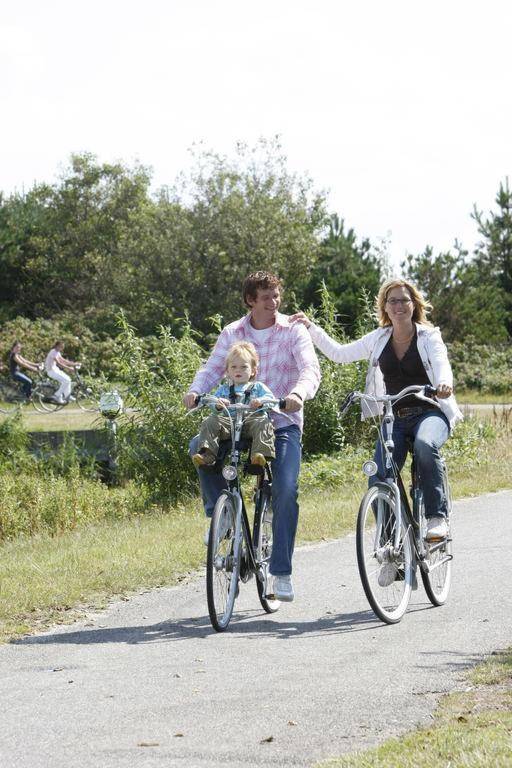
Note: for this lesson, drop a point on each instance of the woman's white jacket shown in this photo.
(431, 348)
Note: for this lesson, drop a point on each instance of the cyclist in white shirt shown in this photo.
(53, 364)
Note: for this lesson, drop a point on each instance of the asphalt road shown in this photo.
(148, 683)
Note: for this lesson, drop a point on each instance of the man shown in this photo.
(289, 367)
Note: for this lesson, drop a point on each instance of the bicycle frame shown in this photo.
(393, 475)
(231, 473)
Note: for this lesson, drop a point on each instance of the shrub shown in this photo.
(484, 367)
(153, 443)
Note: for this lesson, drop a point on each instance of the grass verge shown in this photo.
(67, 419)
(471, 729)
(46, 578)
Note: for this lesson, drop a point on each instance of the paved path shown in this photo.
(320, 677)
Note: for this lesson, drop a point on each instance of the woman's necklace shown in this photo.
(403, 341)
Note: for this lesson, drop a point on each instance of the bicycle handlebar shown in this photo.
(422, 391)
(266, 405)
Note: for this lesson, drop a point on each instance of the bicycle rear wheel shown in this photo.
(263, 534)
(437, 576)
(10, 397)
(223, 562)
(386, 570)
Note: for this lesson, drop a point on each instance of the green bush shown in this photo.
(153, 442)
(324, 430)
(484, 367)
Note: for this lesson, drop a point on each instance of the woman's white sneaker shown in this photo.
(436, 528)
(283, 588)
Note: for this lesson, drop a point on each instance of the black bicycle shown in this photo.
(391, 528)
(12, 395)
(235, 551)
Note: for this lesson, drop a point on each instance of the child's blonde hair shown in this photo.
(246, 351)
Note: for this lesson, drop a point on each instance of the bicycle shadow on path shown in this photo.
(251, 623)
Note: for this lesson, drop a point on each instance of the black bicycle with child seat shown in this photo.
(235, 551)
(391, 531)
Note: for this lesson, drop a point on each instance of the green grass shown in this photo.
(472, 729)
(474, 396)
(68, 418)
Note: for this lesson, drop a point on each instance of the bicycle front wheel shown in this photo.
(263, 535)
(223, 561)
(437, 576)
(86, 399)
(43, 394)
(385, 560)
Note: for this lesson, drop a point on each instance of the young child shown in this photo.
(241, 367)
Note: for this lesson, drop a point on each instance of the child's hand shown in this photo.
(254, 404)
(222, 401)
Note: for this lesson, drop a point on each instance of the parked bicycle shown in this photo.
(235, 552)
(391, 532)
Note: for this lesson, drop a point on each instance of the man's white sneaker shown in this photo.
(436, 528)
(283, 588)
(387, 574)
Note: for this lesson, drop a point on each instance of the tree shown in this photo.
(466, 300)
(493, 256)
(60, 244)
(345, 268)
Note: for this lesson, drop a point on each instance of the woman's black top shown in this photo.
(13, 365)
(402, 373)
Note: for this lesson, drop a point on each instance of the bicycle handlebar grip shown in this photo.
(430, 391)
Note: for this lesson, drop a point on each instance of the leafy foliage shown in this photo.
(153, 443)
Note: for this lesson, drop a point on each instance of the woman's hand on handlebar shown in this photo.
(443, 391)
(300, 317)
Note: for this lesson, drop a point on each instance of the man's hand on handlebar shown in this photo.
(189, 400)
(293, 403)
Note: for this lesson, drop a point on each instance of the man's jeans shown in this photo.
(429, 431)
(26, 383)
(285, 476)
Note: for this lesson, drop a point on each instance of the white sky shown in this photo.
(401, 109)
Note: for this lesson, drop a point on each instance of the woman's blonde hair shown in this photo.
(421, 305)
(246, 351)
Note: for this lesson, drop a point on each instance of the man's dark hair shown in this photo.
(259, 280)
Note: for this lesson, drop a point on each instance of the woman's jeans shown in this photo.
(428, 431)
(26, 383)
(285, 476)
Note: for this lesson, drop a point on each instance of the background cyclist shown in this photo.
(17, 361)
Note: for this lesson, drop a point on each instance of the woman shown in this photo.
(53, 364)
(406, 349)
(16, 360)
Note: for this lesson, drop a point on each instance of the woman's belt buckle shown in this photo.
(413, 410)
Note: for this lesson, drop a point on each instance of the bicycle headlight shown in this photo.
(229, 472)
(370, 468)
